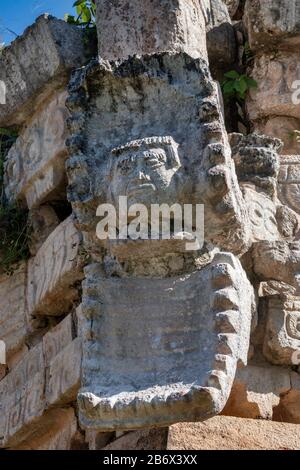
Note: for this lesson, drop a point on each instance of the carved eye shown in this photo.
(155, 159)
(125, 166)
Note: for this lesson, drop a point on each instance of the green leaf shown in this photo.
(232, 74)
(78, 2)
(243, 87)
(229, 88)
(251, 82)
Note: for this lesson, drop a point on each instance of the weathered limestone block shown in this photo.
(288, 222)
(63, 375)
(225, 433)
(49, 374)
(289, 182)
(275, 76)
(288, 409)
(221, 42)
(36, 64)
(278, 261)
(282, 127)
(22, 398)
(273, 23)
(54, 271)
(146, 27)
(55, 431)
(282, 335)
(164, 104)
(43, 221)
(13, 327)
(58, 338)
(142, 368)
(257, 391)
(35, 165)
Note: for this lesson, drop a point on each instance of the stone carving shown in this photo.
(282, 338)
(205, 173)
(289, 182)
(57, 48)
(44, 377)
(35, 165)
(22, 393)
(262, 214)
(143, 27)
(256, 160)
(141, 368)
(145, 171)
(54, 271)
(13, 326)
(184, 157)
(279, 261)
(257, 165)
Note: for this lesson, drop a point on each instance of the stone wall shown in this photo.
(112, 344)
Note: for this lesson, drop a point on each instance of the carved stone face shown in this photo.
(144, 171)
(293, 325)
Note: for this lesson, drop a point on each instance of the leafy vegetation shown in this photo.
(235, 86)
(86, 12)
(86, 20)
(14, 227)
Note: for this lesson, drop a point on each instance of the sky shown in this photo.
(16, 15)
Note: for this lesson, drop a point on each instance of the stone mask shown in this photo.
(144, 170)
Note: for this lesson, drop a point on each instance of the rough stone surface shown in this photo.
(58, 338)
(158, 25)
(282, 337)
(54, 271)
(49, 374)
(63, 375)
(56, 47)
(232, 6)
(43, 222)
(23, 399)
(273, 24)
(275, 77)
(257, 391)
(289, 182)
(13, 327)
(35, 165)
(279, 261)
(120, 392)
(283, 128)
(288, 409)
(148, 439)
(55, 432)
(221, 43)
(224, 433)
